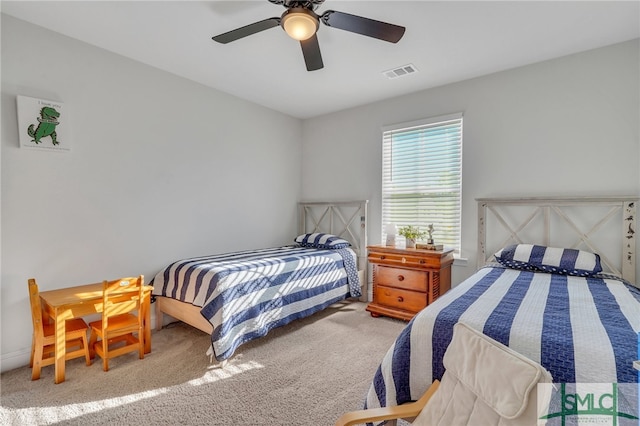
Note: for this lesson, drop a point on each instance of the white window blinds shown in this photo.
(422, 177)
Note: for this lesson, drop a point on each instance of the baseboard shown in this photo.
(16, 359)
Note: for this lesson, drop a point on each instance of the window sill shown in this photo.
(460, 261)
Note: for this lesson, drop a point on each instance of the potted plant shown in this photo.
(411, 233)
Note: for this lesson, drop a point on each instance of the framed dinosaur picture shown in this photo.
(42, 124)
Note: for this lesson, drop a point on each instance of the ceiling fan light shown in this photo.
(299, 23)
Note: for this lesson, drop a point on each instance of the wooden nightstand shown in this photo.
(407, 280)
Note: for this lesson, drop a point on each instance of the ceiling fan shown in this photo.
(301, 22)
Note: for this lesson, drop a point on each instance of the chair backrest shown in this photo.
(491, 383)
(121, 296)
(36, 307)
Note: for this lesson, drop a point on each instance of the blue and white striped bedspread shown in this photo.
(245, 294)
(583, 330)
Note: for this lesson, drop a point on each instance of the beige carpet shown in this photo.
(306, 373)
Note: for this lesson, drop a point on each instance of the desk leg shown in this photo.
(147, 323)
(60, 348)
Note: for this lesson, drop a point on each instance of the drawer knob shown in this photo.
(421, 260)
(400, 277)
(400, 299)
(404, 260)
(383, 257)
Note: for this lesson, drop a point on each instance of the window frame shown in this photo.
(454, 238)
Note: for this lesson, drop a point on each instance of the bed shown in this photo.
(240, 296)
(574, 312)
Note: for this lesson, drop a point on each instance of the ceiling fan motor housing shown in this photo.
(300, 23)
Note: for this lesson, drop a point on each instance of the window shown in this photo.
(422, 177)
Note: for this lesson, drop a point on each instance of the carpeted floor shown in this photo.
(306, 373)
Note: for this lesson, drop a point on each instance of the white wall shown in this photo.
(562, 127)
(182, 170)
(161, 168)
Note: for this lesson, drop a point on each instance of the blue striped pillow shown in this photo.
(321, 241)
(550, 259)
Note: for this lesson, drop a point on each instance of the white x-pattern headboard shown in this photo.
(590, 223)
(346, 219)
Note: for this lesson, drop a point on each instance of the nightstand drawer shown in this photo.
(407, 300)
(405, 260)
(401, 278)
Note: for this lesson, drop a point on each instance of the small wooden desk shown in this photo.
(73, 302)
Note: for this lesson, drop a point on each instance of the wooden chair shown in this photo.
(43, 340)
(408, 411)
(121, 328)
(489, 384)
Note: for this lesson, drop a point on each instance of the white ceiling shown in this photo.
(446, 41)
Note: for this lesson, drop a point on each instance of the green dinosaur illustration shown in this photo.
(48, 121)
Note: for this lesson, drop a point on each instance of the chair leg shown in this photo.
(105, 354)
(33, 349)
(37, 362)
(141, 343)
(93, 338)
(87, 352)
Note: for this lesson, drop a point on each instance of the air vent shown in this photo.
(401, 71)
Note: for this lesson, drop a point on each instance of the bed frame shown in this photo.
(562, 222)
(346, 219)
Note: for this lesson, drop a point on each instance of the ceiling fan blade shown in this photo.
(311, 52)
(365, 26)
(247, 30)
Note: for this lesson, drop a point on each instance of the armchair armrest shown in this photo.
(411, 409)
